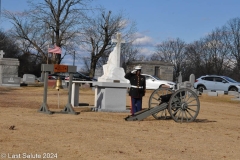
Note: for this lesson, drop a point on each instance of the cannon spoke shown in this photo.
(184, 105)
(155, 98)
(192, 104)
(182, 116)
(192, 110)
(161, 115)
(158, 94)
(191, 96)
(190, 101)
(154, 102)
(186, 115)
(187, 118)
(176, 111)
(189, 113)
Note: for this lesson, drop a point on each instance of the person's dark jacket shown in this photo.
(135, 81)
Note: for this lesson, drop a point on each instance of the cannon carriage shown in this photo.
(182, 104)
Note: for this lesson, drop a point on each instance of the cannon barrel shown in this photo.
(165, 98)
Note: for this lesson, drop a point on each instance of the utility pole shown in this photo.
(73, 58)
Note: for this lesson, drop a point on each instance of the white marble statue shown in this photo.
(112, 70)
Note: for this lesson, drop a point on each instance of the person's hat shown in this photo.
(138, 68)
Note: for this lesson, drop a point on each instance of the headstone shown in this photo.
(112, 70)
(1, 54)
(187, 84)
(29, 78)
(192, 79)
(179, 80)
(180, 77)
(206, 91)
(237, 97)
(220, 93)
(9, 71)
(232, 93)
(212, 94)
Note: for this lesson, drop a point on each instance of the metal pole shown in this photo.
(45, 87)
(70, 87)
(47, 58)
(58, 98)
(74, 58)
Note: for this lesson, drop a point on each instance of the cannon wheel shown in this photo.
(184, 105)
(155, 100)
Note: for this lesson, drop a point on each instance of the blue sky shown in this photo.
(160, 20)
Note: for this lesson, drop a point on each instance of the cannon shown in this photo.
(181, 105)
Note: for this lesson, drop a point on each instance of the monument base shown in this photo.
(110, 97)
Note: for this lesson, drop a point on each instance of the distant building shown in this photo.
(163, 70)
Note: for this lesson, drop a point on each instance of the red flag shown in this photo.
(56, 49)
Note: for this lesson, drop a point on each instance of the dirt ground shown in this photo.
(28, 134)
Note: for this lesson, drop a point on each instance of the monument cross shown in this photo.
(119, 41)
(1, 54)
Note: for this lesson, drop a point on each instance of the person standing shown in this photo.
(137, 90)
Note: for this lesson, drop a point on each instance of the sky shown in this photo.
(161, 20)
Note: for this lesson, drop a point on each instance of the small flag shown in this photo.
(56, 49)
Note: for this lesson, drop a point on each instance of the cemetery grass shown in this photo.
(100, 135)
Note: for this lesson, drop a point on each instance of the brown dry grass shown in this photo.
(100, 135)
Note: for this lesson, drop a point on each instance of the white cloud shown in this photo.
(146, 51)
(143, 40)
(145, 44)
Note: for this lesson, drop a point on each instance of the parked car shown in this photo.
(56, 75)
(217, 83)
(77, 76)
(153, 82)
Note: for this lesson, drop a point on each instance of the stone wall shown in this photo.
(163, 70)
(166, 73)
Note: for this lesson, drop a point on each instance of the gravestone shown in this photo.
(1, 54)
(186, 84)
(29, 78)
(9, 71)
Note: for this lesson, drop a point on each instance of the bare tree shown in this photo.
(194, 63)
(99, 31)
(129, 53)
(172, 51)
(28, 63)
(8, 45)
(49, 22)
(216, 51)
(232, 41)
